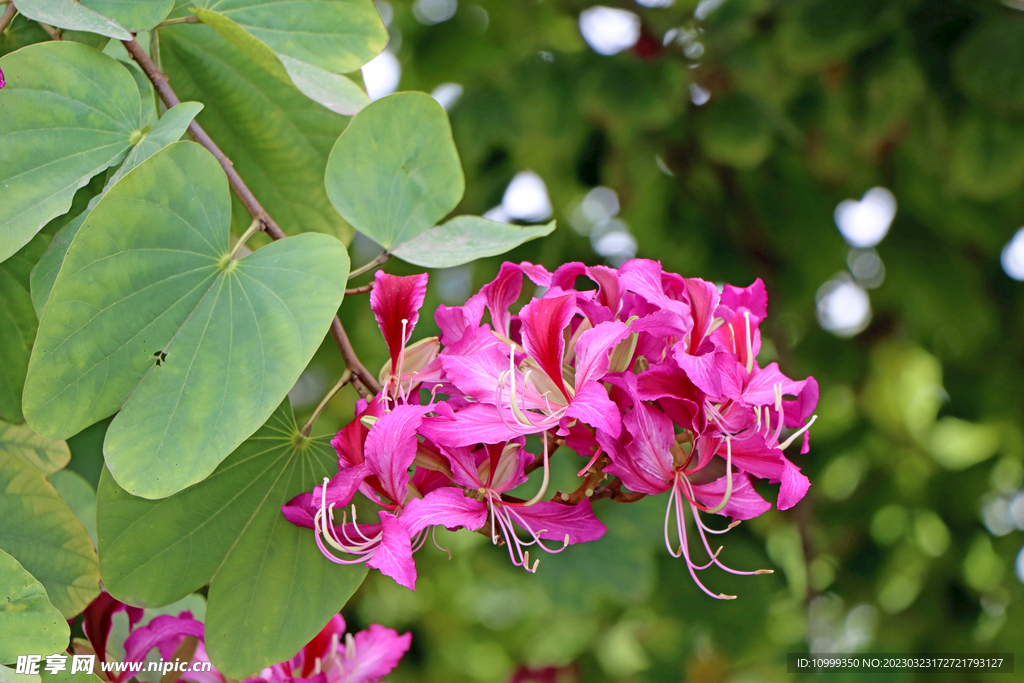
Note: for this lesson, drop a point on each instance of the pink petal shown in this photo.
(703, 298)
(593, 350)
(753, 455)
(393, 556)
(454, 322)
(503, 291)
(701, 368)
(391, 448)
(393, 299)
(543, 321)
(592, 406)
(753, 298)
(449, 507)
(744, 503)
(301, 510)
(165, 632)
(645, 278)
(377, 651)
(794, 486)
(760, 391)
(472, 424)
(553, 521)
(477, 377)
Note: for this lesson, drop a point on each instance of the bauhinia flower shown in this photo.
(652, 377)
(333, 656)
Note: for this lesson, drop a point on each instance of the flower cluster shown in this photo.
(652, 376)
(333, 656)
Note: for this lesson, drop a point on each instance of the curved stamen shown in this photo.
(750, 344)
(544, 483)
(792, 437)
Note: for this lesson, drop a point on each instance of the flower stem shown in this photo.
(346, 377)
(381, 258)
(253, 227)
(179, 20)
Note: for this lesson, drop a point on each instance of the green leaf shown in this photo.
(46, 455)
(41, 532)
(271, 589)
(150, 312)
(29, 624)
(67, 113)
(278, 139)
(395, 171)
(72, 15)
(80, 497)
(167, 130)
(8, 675)
(136, 15)
(17, 325)
(733, 131)
(336, 35)
(985, 63)
(337, 93)
(464, 239)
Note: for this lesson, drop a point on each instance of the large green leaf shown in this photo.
(336, 35)
(70, 14)
(80, 497)
(395, 171)
(17, 325)
(8, 675)
(151, 309)
(168, 129)
(66, 113)
(271, 589)
(41, 532)
(136, 15)
(277, 138)
(464, 239)
(337, 93)
(46, 455)
(29, 624)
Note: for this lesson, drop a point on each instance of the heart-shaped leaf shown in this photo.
(74, 490)
(29, 624)
(151, 312)
(46, 455)
(336, 35)
(278, 138)
(8, 675)
(466, 238)
(66, 113)
(17, 325)
(395, 171)
(168, 129)
(135, 15)
(40, 532)
(337, 93)
(72, 15)
(271, 589)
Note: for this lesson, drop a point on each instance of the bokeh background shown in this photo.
(865, 158)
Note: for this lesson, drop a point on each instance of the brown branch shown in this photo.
(238, 185)
(252, 205)
(613, 491)
(365, 289)
(595, 475)
(7, 16)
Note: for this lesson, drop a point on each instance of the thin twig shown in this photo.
(365, 289)
(351, 360)
(595, 475)
(381, 258)
(50, 30)
(170, 99)
(346, 377)
(180, 20)
(252, 205)
(613, 491)
(7, 17)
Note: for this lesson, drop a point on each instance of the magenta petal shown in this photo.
(543, 321)
(449, 507)
(553, 521)
(701, 368)
(703, 297)
(342, 487)
(391, 448)
(472, 424)
(592, 406)
(477, 377)
(455, 321)
(752, 454)
(593, 349)
(794, 486)
(644, 277)
(165, 632)
(377, 651)
(753, 298)
(301, 510)
(653, 437)
(744, 503)
(503, 291)
(393, 299)
(393, 556)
